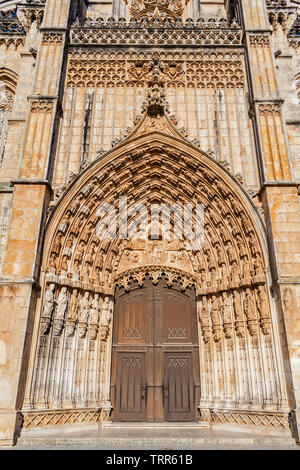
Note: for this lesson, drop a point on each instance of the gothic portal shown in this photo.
(151, 104)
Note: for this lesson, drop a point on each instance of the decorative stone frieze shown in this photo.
(127, 69)
(212, 32)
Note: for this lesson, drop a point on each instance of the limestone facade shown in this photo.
(161, 102)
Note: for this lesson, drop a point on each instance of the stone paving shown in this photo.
(154, 439)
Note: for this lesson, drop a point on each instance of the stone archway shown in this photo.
(240, 362)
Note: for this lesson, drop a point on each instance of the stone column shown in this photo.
(18, 284)
(278, 191)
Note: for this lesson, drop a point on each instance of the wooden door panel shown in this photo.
(178, 387)
(176, 317)
(130, 387)
(132, 319)
(154, 335)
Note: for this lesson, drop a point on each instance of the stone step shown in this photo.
(152, 425)
(162, 443)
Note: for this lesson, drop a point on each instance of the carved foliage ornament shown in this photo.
(199, 70)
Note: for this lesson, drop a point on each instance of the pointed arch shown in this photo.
(10, 79)
(155, 164)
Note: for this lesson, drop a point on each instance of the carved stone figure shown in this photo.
(73, 308)
(106, 313)
(237, 306)
(49, 301)
(254, 247)
(226, 308)
(214, 312)
(57, 244)
(246, 268)
(263, 303)
(94, 313)
(62, 303)
(84, 308)
(249, 306)
(230, 252)
(203, 312)
(52, 265)
(258, 265)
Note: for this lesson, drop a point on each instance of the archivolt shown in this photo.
(157, 168)
(80, 272)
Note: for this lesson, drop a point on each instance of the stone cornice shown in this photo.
(112, 32)
(268, 184)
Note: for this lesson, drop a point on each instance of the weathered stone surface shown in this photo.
(103, 117)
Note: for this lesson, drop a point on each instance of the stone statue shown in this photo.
(72, 315)
(249, 306)
(62, 303)
(226, 308)
(52, 265)
(49, 301)
(214, 312)
(94, 313)
(57, 244)
(230, 252)
(84, 310)
(263, 304)
(246, 268)
(106, 313)
(237, 306)
(203, 312)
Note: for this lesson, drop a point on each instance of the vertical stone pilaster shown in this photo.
(30, 200)
(278, 188)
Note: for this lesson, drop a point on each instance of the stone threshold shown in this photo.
(155, 425)
(161, 442)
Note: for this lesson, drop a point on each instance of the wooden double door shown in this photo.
(155, 364)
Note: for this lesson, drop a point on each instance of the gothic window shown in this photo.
(5, 106)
